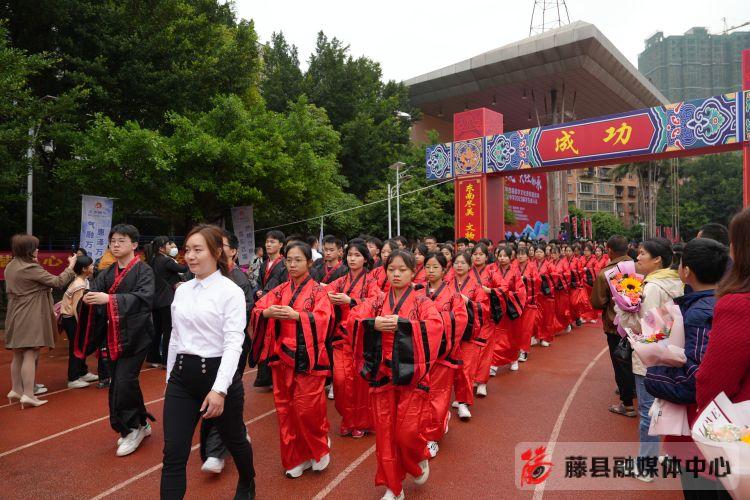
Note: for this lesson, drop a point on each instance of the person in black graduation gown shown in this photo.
(212, 448)
(119, 313)
(330, 267)
(272, 273)
(167, 273)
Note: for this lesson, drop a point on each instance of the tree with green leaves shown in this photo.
(282, 78)
(605, 225)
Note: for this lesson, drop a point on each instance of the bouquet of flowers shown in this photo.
(722, 432)
(662, 338)
(626, 286)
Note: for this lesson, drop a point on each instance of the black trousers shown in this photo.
(211, 443)
(623, 372)
(263, 377)
(189, 383)
(126, 408)
(163, 332)
(77, 367)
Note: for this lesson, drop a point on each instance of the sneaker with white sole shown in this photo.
(77, 384)
(534, 341)
(482, 390)
(568, 328)
(514, 366)
(89, 377)
(330, 391)
(146, 433)
(463, 412)
(523, 357)
(493, 371)
(425, 466)
(389, 495)
(213, 465)
(545, 343)
(39, 389)
(455, 404)
(320, 465)
(131, 442)
(433, 448)
(297, 471)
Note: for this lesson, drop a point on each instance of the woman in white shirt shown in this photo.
(203, 373)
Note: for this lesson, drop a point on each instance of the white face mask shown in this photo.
(173, 252)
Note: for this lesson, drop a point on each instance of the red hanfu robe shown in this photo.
(478, 309)
(562, 292)
(508, 332)
(396, 365)
(299, 362)
(351, 392)
(530, 321)
(589, 276)
(578, 296)
(452, 308)
(381, 278)
(602, 262)
(549, 324)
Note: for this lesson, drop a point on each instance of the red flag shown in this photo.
(575, 227)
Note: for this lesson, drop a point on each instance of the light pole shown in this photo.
(48, 148)
(399, 176)
(390, 230)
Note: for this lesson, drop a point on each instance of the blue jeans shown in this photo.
(649, 444)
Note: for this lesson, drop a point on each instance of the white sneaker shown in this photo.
(39, 389)
(131, 442)
(297, 471)
(389, 495)
(433, 448)
(146, 433)
(330, 391)
(213, 464)
(523, 357)
(514, 366)
(493, 371)
(89, 377)
(545, 343)
(425, 466)
(482, 390)
(534, 341)
(320, 465)
(463, 412)
(454, 404)
(77, 384)
(568, 329)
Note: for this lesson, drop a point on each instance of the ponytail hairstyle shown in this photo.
(151, 250)
(213, 236)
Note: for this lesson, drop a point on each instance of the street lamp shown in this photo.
(390, 230)
(399, 176)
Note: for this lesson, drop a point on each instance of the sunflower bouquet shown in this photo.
(626, 286)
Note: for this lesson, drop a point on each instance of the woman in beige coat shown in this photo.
(30, 322)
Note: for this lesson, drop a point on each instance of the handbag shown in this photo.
(623, 352)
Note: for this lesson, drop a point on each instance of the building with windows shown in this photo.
(596, 189)
(696, 64)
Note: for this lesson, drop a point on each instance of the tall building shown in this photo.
(596, 189)
(696, 64)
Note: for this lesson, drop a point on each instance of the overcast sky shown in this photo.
(412, 37)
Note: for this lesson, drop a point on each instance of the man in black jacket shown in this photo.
(330, 267)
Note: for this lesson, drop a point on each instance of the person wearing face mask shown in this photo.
(161, 257)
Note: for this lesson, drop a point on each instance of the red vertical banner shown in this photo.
(575, 227)
(469, 192)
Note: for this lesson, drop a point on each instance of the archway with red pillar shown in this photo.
(481, 155)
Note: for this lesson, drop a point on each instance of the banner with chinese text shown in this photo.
(53, 262)
(469, 193)
(244, 228)
(96, 221)
(526, 195)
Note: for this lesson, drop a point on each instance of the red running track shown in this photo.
(66, 449)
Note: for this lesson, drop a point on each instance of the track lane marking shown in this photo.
(157, 467)
(80, 426)
(344, 473)
(539, 490)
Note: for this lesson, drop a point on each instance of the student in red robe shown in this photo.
(397, 340)
(590, 270)
(449, 254)
(508, 339)
(420, 253)
(351, 392)
(548, 324)
(578, 297)
(602, 258)
(331, 267)
(562, 288)
(374, 245)
(451, 306)
(477, 306)
(485, 273)
(291, 324)
(379, 274)
(530, 321)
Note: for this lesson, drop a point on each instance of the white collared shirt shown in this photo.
(208, 320)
